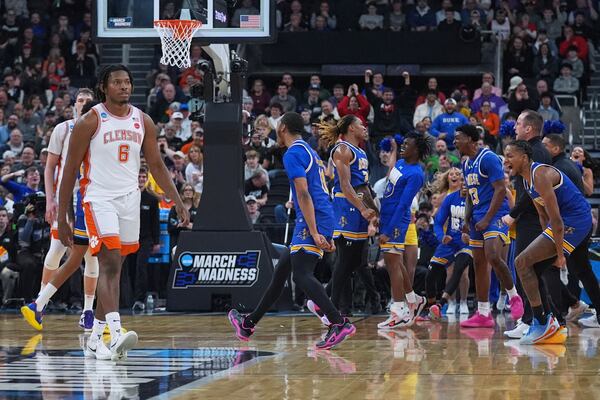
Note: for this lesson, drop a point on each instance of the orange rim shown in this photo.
(182, 28)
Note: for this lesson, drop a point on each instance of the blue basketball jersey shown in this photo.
(450, 218)
(403, 184)
(571, 203)
(301, 161)
(480, 173)
(359, 167)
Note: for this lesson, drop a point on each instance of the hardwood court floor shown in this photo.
(197, 357)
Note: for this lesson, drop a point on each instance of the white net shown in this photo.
(176, 37)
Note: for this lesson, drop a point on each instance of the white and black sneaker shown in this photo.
(124, 342)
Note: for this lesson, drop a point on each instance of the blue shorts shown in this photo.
(446, 253)
(576, 230)
(495, 229)
(349, 222)
(302, 240)
(80, 236)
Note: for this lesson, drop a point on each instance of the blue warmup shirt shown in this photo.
(403, 184)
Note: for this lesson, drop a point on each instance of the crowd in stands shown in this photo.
(46, 54)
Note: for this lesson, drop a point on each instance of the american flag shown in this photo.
(249, 21)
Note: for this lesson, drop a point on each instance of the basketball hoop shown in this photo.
(175, 37)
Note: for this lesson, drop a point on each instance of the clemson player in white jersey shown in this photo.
(109, 140)
(52, 277)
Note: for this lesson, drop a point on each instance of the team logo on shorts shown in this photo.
(94, 241)
(396, 233)
(569, 230)
(343, 222)
(217, 269)
(303, 234)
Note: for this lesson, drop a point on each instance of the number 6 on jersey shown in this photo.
(124, 153)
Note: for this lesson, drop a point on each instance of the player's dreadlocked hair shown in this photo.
(522, 146)
(103, 79)
(423, 145)
(332, 131)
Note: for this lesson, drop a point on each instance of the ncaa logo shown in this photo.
(186, 260)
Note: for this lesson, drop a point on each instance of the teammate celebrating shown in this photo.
(353, 204)
(313, 235)
(454, 248)
(486, 205)
(405, 179)
(109, 140)
(57, 155)
(567, 217)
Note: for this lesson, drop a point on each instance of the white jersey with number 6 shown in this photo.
(112, 162)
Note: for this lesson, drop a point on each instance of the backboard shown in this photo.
(223, 21)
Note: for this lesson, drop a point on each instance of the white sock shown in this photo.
(463, 302)
(484, 308)
(42, 286)
(113, 319)
(88, 302)
(44, 296)
(97, 330)
(411, 297)
(511, 292)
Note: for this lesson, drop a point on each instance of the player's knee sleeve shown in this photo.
(91, 265)
(55, 254)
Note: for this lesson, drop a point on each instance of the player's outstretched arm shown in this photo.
(159, 170)
(84, 129)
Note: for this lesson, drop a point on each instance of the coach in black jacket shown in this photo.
(578, 262)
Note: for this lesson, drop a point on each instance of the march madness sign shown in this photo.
(216, 269)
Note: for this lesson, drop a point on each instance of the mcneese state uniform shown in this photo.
(349, 222)
(301, 161)
(403, 184)
(574, 209)
(59, 145)
(111, 198)
(480, 173)
(449, 220)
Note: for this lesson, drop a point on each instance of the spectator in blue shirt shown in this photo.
(18, 190)
(5, 130)
(444, 125)
(421, 18)
(546, 109)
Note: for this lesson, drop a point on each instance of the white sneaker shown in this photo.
(589, 322)
(451, 307)
(97, 349)
(518, 331)
(501, 303)
(464, 308)
(124, 342)
(576, 311)
(399, 317)
(313, 308)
